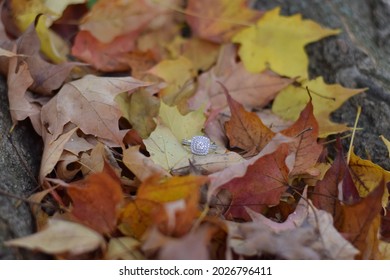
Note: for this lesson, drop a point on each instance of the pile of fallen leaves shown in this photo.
(113, 88)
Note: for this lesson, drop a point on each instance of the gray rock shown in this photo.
(20, 154)
(359, 57)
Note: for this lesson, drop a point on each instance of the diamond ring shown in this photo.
(200, 145)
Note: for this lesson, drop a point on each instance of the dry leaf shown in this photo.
(142, 166)
(192, 246)
(262, 185)
(178, 74)
(245, 130)
(325, 98)
(96, 200)
(253, 90)
(164, 148)
(182, 126)
(359, 223)
(305, 148)
(90, 104)
(221, 20)
(61, 237)
(278, 41)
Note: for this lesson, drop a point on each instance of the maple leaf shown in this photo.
(359, 223)
(142, 167)
(325, 194)
(164, 148)
(112, 30)
(245, 130)
(178, 74)
(112, 56)
(221, 20)
(325, 98)
(262, 185)
(308, 233)
(305, 148)
(366, 175)
(140, 108)
(253, 90)
(96, 200)
(46, 77)
(90, 104)
(279, 41)
(109, 19)
(25, 12)
(182, 126)
(61, 237)
(201, 53)
(171, 203)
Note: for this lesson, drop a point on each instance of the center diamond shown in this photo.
(200, 145)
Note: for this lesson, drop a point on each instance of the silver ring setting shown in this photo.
(200, 145)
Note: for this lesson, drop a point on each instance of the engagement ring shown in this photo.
(200, 145)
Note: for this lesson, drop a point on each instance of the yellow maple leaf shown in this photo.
(178, 74)
(25, 12)
(183, 127)
(326, 98)
(366, 176)
(164, 148)
(278, 41)
(201, 53)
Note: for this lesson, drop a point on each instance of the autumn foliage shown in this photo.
(114, 96)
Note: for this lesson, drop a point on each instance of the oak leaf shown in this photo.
(325, 98)
(279, 41)
(96, 200)
(52, 152)
(61, 237)
(245, 130)
(262, 185)
(18, 81)
(221, 20)
(305, 148)
(90, 104)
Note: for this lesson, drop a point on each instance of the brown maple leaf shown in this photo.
(262, 185)
(96, 200)
(245, 130)
(305, 148)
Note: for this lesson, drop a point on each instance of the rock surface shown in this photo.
(19, 164)
(359, 58)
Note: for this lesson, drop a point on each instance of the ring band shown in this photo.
(200, 145)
